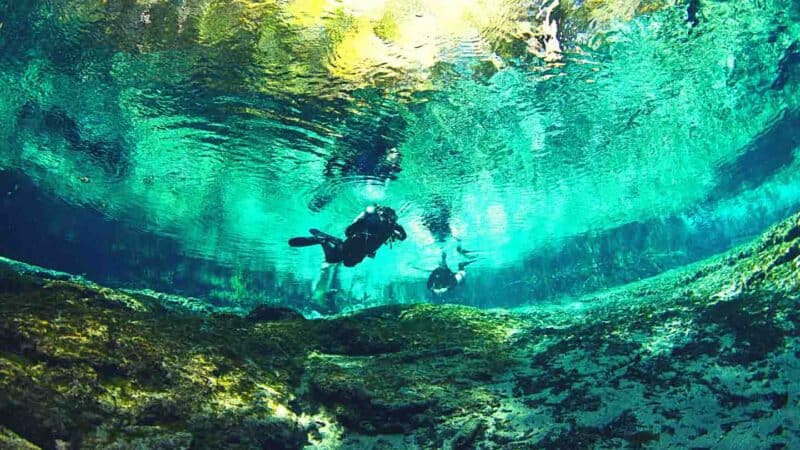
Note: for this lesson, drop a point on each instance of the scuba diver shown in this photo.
(371, 229)
(442, 279)
(436, 218)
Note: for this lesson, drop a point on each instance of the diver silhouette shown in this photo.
(368, 232)
(442, 279)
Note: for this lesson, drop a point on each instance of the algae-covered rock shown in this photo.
(11, 441)
(267, 313)
(80, 367)
(703, 356)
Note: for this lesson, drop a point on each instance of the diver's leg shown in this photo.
(464, 264)
(332, 250)
(331, 246)
(352, 260)
(353, 251)
(317, 237)
(322, 235)
(467, 253)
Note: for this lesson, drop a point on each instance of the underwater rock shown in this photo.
(703, 356)
(146, 438)
(470, 433)
(789, 60)
(11, 441)
(268, 313)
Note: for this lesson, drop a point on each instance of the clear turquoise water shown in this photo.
(178, 145)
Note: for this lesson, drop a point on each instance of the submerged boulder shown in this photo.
(268, 313)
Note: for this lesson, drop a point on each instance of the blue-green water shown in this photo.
(574, 146)
(586, 158)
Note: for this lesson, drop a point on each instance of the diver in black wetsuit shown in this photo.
(442, 279)
(371, 229)
(437, 218)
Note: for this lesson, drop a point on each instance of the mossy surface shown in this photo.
(705, 356)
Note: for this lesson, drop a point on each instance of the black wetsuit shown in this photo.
(364, 236)
(367, 234)
(442, 279)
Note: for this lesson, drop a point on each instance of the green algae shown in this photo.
(12, 441)
(152, 371)
(641, 113)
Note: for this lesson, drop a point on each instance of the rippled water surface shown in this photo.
(566, 142)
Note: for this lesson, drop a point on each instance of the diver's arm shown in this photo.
(399, 233)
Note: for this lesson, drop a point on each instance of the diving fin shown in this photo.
(303, 241)
(322, 236)
(319, 234)
(464, 264)
(465, 252)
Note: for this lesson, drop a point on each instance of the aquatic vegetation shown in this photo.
(208, 132)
